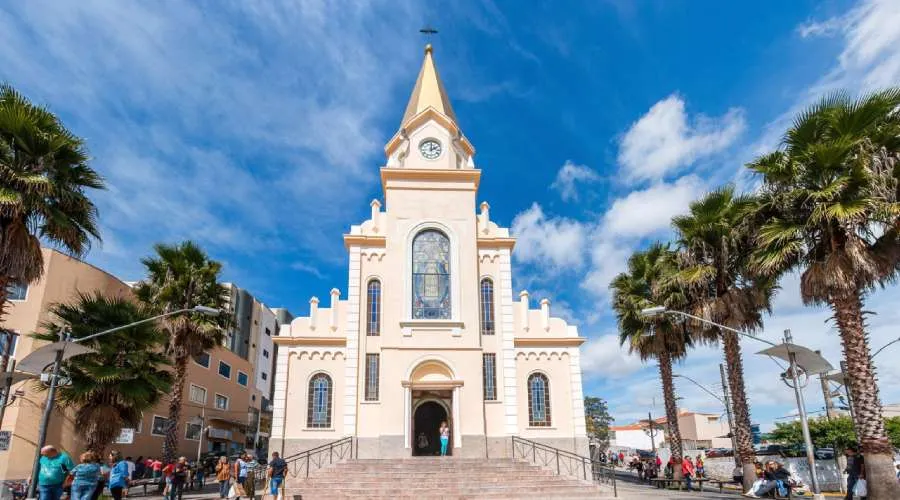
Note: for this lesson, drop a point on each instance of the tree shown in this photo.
(44, 179)
(126, 375)
(179, 277)
(824, 432)
(597, 420)
(715, 239)
(647, 283)
(829, 194)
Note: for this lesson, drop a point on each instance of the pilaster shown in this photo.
(351, 368)
(507, 352)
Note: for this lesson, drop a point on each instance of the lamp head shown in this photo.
(208, 311)
(651, 312)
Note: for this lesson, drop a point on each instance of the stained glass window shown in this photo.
(373, 310)
(371, 377)
(431, 275)
(489, 361)
(538, 400)
(319, 414)
(487, 307)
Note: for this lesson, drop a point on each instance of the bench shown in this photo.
(667, 483)
(145, 482)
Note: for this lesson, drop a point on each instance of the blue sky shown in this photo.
(256, 128)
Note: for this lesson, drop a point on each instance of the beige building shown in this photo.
(430, 329)
(701, 431)
(222, 385)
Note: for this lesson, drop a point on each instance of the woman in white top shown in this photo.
(445, 437)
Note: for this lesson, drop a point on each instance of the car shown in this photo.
(825, 453)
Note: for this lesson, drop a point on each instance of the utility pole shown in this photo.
(7, 368)
(847, 392)
(650, 425)
(200, 441)
(737, 458)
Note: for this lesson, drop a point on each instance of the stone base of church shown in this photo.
(474, 446)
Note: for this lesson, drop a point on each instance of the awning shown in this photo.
(812, 362)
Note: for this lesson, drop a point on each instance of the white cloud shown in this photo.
(603, 357)
(551, 242)
(569, 177)
(649, 211)
(828, 27)
(307, 268)
(663, 141)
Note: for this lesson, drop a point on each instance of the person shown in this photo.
(445, 437)
(245, 475)
(622, 458)
(199, 475)
(223, 476)
(131, 467)
(178, 477)
(856, 469)
(737, 474)
(86, 476)
(774, 474)
(157, 467)
(698, 465)
(277, 469)
(640, 469)
(167, 475)
(118, 475)
(687, 470)
(104, 477)
(658, 462)
(422, 441)
(140, 468)
(54, 467)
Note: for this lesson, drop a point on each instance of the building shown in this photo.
(699, 431)
(429, 330)
(631, 437)
(226, 394)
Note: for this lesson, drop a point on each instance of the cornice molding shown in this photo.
(311, 341)
(548, 341)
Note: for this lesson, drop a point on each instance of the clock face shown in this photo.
(430, 148)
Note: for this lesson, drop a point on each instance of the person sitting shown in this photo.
(776, 476)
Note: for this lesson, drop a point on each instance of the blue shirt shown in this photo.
(118, 476)
(244, 467)
(86, 474)
(54, 470)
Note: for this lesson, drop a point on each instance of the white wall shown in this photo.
(634, 439)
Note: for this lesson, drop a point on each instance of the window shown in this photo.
(224, 369)
(160, 424)
(242, 378)
(193, 431)
(15, 291)
(431, 275)
(221, 402)
(538, 400)
(487, 307)
(371, 377)
(198, 394)
(265, 354)
(373, 309)
(489, 362)
(268, 332)
(264, 375)
(8, 340)
(202, 359)
(319, 405)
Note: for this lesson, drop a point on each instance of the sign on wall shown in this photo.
(5, 437)
(126, 436)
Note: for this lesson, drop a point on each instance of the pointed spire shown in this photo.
(428, 92)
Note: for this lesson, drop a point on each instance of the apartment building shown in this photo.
(699, 431)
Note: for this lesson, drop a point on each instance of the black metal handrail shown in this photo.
(300, 464)
(565, 462)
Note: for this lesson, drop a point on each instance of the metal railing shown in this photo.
(564, 462)
(301, 464)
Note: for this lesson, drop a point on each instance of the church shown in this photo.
(429, 330)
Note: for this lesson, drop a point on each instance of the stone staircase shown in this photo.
(434, 477)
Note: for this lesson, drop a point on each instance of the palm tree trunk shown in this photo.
(665, 374)
(170, 447)
(740, 409)
(7, 335)
(869, 422)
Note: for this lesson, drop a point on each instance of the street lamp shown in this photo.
(37, 359)
(786, 350)
(885, 346)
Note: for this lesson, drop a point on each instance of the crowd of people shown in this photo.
(59, 477)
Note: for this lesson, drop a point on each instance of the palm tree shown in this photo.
(182, 276)
(830, 195)
(647, 283)
(44, 178)
(715, 239)
(127, 374)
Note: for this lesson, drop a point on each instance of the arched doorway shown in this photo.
(426, 425)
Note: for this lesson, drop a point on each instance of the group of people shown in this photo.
(87, 480)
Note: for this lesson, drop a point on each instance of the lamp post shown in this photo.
(60, 349)
(886, 345)
(775, 348)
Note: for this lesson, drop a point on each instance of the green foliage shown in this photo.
(597, 420)
(127, 374)
(825, 433)
(892, 426)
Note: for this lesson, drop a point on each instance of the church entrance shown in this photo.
(430, 411)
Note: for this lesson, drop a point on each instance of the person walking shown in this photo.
(245, 475)
(178, 477)
(445, 438)
(856, 469)
(86, 477)
(54, 467)
(118, 475)
(687, 470)
(223, 476)
(277, 469)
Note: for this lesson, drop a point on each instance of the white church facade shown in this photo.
(429, 329)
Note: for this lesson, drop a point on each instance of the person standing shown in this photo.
(54, 467)
(118, 475)
(856, 469)
(87, 476)
(223, 476)
(698, 466)
(277, 469)
(445, 438)
(178, 477)
(157, 467)
(687, 470)
(245, 475)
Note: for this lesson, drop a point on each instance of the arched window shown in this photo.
(373, 308)
(431, 275)
(319, 410)
(538, 400)
(487, 307)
